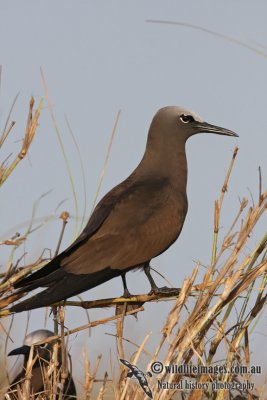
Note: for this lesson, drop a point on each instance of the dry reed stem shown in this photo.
(6, 133)
(7, 285)
(217, 212)
(64, 367)
(103, 388)
(30, 131)
(134, 361)
(28, 374)
(119, 335)
(127, 340)
(61, 143)
(18, 275)
(90, 378)
(8, 125)
(64, 216)
(106, 159)
(86, 326)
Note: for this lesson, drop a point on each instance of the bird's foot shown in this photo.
(126, 293)
(164, 290)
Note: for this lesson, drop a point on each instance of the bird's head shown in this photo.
(177, 123)
(44, 350)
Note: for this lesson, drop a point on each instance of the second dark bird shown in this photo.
(41, 382)
(133, 223)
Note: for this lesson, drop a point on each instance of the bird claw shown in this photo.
(164, 290)
(126, 294)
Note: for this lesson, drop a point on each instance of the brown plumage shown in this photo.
(135, 222)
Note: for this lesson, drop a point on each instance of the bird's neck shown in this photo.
(162, 162)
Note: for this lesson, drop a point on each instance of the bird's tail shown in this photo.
(66, 285)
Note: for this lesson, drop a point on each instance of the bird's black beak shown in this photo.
(25, 350)
(205, 127)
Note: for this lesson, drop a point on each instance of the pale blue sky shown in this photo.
(102, 56)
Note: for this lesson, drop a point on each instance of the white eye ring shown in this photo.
(43, 346)
(186, 118)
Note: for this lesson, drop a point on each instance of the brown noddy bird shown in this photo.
(44, 353)
(133, 223)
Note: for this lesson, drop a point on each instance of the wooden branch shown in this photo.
(115, 301)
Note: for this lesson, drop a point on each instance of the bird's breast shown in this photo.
(173, 218)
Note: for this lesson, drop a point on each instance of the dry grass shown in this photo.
(30, 130)
(209, 324)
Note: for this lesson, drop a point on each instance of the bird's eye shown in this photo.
(186, 118)
(43, 346)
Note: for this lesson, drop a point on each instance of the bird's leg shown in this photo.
(123, 308)
(154, 288)
(126, 292)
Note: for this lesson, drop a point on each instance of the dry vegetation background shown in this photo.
(212, 319)
(210, 323)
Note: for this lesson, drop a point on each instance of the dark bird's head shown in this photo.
(44, 350)
(42, 355)
(168, 133)
(174, 125)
